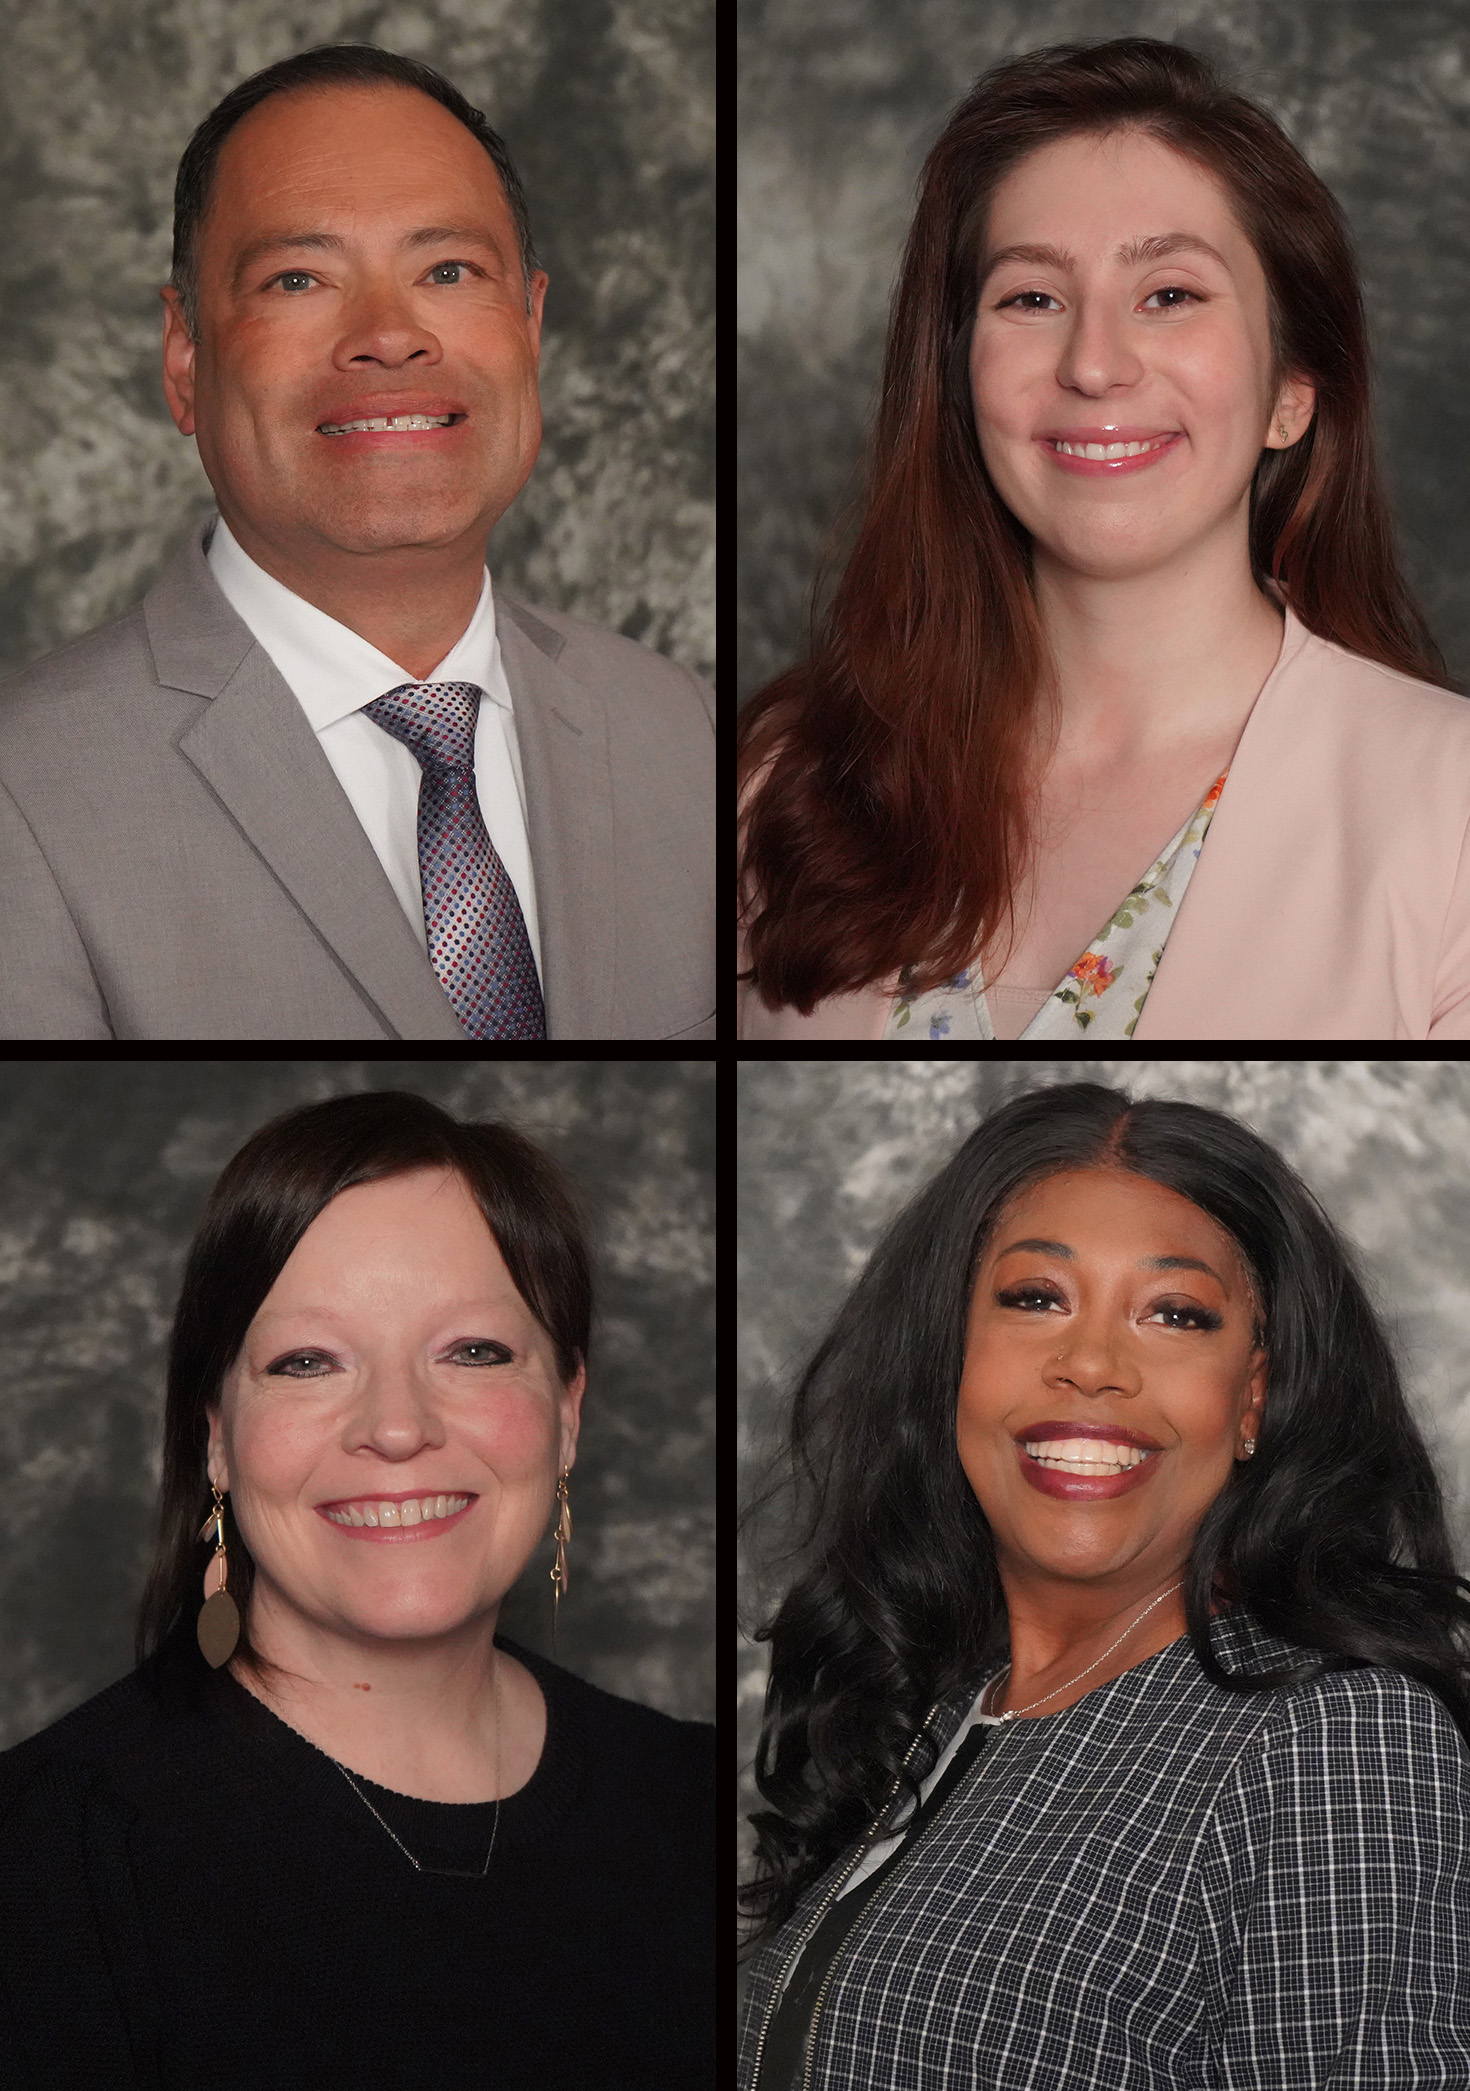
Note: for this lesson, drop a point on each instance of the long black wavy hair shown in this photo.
(1333, 1536)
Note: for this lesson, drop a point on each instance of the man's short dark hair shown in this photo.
(329, 65)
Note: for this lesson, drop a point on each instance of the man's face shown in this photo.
(358, 260)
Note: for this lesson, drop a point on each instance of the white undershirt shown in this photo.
(883, 1850)
(333, 672)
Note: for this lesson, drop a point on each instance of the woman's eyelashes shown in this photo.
(477, 1351)
(1190, 1316)
(302, 1364)
(1172, 291)
(489, 1352)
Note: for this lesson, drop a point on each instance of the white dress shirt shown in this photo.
(333, 672)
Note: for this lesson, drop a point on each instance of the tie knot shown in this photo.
(434, 720)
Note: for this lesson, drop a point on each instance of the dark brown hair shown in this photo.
(329, 65)
(887, 819)
(263, 1203)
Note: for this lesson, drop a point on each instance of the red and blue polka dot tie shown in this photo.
(477, 934)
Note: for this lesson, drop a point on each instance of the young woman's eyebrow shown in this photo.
(1157, 248)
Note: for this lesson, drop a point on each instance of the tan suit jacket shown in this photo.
(1332, 895)
(178, 860)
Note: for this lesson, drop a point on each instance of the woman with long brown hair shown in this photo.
(1124, 580)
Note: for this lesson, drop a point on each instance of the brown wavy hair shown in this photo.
(886, 806)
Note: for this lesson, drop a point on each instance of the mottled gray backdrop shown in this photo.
(830, 1150)
(840, 101)
(607, 107)
(103, 1174)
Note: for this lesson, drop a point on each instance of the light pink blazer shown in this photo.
(1332, 895)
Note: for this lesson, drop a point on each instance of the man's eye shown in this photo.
(294, 279)
(437, 272)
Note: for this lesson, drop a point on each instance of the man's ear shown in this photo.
(178, 362)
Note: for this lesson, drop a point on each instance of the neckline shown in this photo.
(1107, 1682)
(261, 1743)
(1295, 637)
(390, 1793)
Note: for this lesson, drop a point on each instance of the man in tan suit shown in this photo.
(325, 782)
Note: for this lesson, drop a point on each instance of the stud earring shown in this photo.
(218, 1626)
(1248, 1448)
(563, 1540)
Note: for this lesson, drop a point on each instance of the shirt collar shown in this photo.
(331, 670)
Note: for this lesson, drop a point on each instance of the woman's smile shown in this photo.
(1085, 1462)
(389, 1518)
(1104, 454)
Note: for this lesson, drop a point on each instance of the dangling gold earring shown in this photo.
(219, 1617)
(1281, 430)
(563, 1540)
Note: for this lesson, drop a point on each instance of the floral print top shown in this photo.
(1104, 992)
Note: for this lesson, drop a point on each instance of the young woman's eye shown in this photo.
(301, 1364)
(1025, 1295)
(1172, 290)
(480, 1350)
(1022, 295)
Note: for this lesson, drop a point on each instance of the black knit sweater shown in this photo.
(192, 1895)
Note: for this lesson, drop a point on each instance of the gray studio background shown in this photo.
(103, 1173)
(607, 107)
(840, 101)
(830, 1150)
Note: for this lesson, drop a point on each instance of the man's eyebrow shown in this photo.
(1158, 248)
(333, 243)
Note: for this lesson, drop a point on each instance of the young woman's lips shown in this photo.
(1084, 1488)
(395, 1535)
(1159, 446)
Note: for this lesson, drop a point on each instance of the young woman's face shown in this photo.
(1111, 1376)
(1094, 336)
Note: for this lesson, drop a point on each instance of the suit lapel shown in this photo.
(562, 733)
(254, 748)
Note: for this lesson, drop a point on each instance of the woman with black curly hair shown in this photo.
(1117, 1719)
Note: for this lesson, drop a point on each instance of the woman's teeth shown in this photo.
(372, 1511)
(1107, 450)
(1085, 1455)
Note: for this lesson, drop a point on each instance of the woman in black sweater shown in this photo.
(333, 1830)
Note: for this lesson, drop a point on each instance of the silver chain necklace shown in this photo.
(998, 1720)
(451, 1872)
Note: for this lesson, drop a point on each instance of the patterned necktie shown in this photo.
(477, 934)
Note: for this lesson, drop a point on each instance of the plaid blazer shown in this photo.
(1165, 1887)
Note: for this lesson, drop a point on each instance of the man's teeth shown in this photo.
(348, 428)
(1107, 450)
(373, 1511)
(1086, 1455)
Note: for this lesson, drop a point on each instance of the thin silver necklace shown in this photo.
(998, 1720)
(451, 1872)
